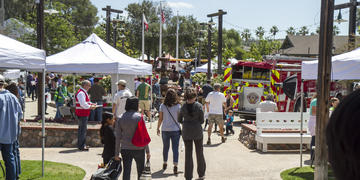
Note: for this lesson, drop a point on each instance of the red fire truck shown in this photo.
(250, 82)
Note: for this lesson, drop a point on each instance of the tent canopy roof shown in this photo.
(17, 55)
(93, 55)
(344, 67)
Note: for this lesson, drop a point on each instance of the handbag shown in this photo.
(174, 120)
(146, 174)
(141, 136)
(112, 171)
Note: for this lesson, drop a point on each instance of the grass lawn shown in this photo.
(53, 171)
(304, 173)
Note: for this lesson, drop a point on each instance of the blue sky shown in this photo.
(247, 13)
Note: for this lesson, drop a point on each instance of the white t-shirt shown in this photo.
(120, 101)
(216, 101)
(267, 106)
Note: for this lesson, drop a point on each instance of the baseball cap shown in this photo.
(121, 82)
(2, 79)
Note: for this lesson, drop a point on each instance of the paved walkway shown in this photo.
(230, 160)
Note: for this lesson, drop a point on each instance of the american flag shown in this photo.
(146, 23)
(162, 17)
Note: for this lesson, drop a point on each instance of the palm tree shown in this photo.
(336, 30)
(246, 35)
(274, 30)
(303, 31)
(291, 31)
(260, 31)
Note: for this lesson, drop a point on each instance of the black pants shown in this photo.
(189, 165)
(312, 143)
(229, 128)
(127, 157)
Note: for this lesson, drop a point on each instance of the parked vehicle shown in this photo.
(250, 82)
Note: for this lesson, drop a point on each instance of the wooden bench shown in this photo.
(280, 128)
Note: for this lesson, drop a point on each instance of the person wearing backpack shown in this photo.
(60, 96)
(125, 129)
(170, 129)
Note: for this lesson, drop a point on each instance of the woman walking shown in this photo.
(124, 132)
(170, 129)
(192, 116)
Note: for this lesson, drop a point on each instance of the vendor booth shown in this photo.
(93, 55)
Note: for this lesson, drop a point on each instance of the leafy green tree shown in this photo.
(291, 31)
(134, 20)
(274, 30)
(260, 32)
(80, 14)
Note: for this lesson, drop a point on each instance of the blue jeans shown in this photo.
(58, 105)
(17, 157)
(175, 138)
(7, 151)
(96, 114)
(82, 131)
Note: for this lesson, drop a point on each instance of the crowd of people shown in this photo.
(181, 115)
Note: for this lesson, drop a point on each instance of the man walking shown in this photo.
(215, 105)
(60, 97)
(143, 93)
(96, 93)
(10, 116)
(120, 99)
(83, 108)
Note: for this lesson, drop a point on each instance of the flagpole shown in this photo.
(177, 36)
(142, 38)
(177, 39)
(160, 39)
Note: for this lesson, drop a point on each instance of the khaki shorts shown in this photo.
(216, 118)
(144, 105)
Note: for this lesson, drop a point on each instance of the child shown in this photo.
(229, 121)
(107, 136)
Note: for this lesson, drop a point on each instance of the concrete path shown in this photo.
(230, 160)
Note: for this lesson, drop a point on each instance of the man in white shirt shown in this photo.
(120, 99)
(215, 105)
(82, 110)
(268, 105)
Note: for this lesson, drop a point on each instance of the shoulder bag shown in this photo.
(172, 117)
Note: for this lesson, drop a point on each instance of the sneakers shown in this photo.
(208, 142)
(223, 139)
(164, 166)
(175, 170)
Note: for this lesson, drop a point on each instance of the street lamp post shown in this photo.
(220, 14)
(108, 16)
(41, 77)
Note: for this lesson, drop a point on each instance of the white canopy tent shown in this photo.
(204, 68)
(93, 55)
(344, 67)
(17, 55)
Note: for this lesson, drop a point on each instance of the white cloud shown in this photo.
(180, 5)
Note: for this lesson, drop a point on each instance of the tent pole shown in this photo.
(151, 100)
(74, 88)
(43, 122)
(302, 118)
